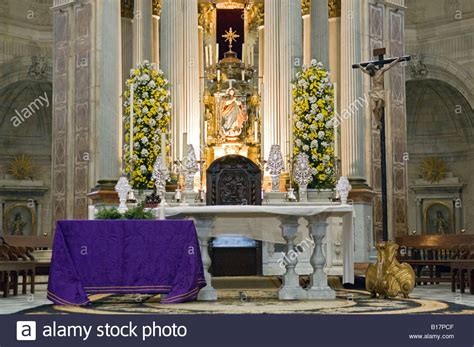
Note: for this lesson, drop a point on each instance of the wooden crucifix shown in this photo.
(376, 70)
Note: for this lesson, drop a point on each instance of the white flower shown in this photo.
(324, 144)
(314, 144)
(319, 117)
(145, 95)
(321, 134)
(152, 122)
(312, 127)
(298, 142)
(144, 152)
(305, 148)
(152, 101)
(299, 125)
(145, 110)
(143, 168)
(314, 62)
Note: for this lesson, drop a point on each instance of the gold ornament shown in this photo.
(156, 7)
(21, 168)
(388, 277)
(334, 8)
(433, 170)
(255, 15)
(231, 36)
(305, 7)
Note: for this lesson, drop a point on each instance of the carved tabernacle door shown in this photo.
(234, 180)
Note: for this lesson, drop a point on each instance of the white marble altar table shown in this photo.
(316, 214)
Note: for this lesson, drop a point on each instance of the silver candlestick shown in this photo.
(275, 165)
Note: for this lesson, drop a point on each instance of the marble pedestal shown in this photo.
(290, 289)
(204, 225)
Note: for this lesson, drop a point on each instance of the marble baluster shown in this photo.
(319, 288)
(290, 289)
(204, 225)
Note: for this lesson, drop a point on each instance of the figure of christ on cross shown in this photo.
(377, 91)
(376, 70)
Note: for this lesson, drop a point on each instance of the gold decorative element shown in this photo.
(206, 17)
(156, 7)
(255, 16)
(21, 168)
(334, 8)
(388, 277)
(433, 170)
(306, 7)
(230, 5)
(231, 36)
(126, 8)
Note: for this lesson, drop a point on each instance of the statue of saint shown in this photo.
(441, 223)
(377, 92)
(17, 225)
(233, 115)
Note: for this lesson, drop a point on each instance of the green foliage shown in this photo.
(137, 212)
(108, 213)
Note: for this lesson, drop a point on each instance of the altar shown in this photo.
(275, 223)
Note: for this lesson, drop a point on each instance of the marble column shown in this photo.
(283, 56)
(306, 39)
(351, 93)
(457, 203)
(192, 106)
(180, 63)
(419, 216)
(271, 125)
(320, 32)
(127, 53)
(109, 87)
(156, 40)
(143, 31)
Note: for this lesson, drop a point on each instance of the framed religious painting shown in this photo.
(439, 219)
(19, 220)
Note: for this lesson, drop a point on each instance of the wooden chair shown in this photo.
(462, 266)
(16, 262)
(431, 255)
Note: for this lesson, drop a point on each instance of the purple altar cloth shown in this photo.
(125, 257)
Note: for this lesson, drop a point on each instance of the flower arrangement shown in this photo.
(151, 118)
(313, 128)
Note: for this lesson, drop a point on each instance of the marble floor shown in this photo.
(441, 292)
